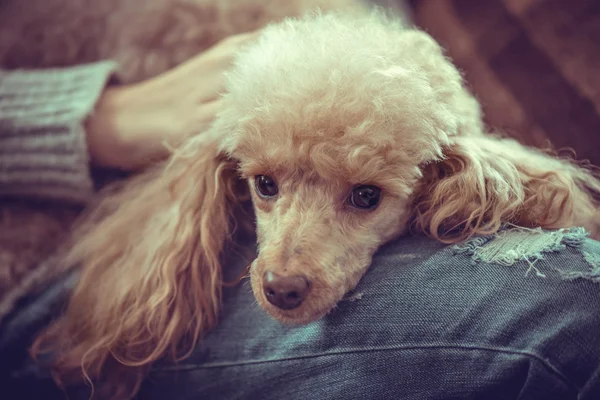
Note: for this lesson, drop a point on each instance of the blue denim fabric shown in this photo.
(430, 324)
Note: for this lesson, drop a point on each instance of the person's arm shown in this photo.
(43, 150)
(54, 122)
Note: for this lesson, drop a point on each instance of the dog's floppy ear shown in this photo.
(150, 279)
(484, 181)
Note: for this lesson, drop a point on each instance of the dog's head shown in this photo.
(331, 120)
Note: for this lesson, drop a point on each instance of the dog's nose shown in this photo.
(285, 292)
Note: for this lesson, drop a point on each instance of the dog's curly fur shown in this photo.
(321, 104)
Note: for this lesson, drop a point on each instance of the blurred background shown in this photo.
(533, 64)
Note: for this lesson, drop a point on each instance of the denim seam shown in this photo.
(188, 367)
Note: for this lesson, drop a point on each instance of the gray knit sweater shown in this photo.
(43, 151)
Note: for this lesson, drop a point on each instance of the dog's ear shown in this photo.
(484, 181)
(150, 280)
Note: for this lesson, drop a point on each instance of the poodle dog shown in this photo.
(340, 132)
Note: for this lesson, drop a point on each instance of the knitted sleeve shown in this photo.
(43, 151)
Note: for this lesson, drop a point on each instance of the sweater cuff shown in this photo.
(43, 149)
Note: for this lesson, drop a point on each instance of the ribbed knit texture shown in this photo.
(43, 151)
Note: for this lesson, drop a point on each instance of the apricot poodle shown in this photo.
(340, 132)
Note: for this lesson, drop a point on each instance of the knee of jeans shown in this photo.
(527, 246)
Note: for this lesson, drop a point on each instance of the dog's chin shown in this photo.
(300, 316)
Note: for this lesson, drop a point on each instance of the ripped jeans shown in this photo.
(512, 316)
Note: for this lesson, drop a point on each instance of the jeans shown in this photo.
(428, 321)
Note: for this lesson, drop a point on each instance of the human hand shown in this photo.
(135, 125)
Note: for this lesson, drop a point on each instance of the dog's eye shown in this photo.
(365, 197)
(265, 186)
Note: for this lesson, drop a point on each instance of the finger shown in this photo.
(198, 121)
(208, 111)
(208, 90)
(242, 38)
